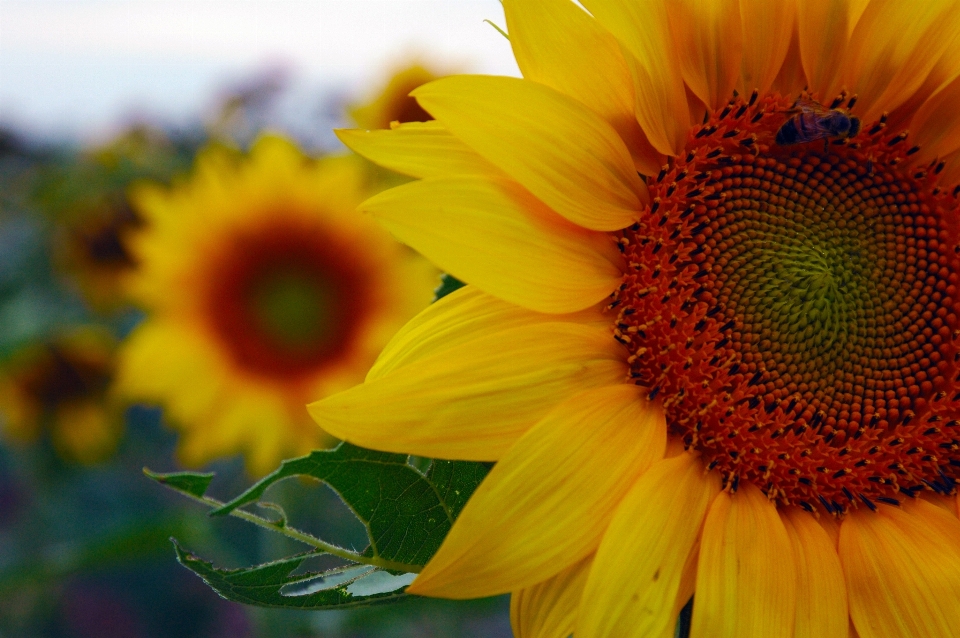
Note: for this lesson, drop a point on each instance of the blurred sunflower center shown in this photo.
(292, 308)
(792, 300)
(288, 299)
(59, 376)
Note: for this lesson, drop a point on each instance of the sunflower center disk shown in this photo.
(795, 308)
(288, 300)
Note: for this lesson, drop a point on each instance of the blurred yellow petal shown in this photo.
(159, 360)
(894, 47)
(568, 472)
(767, 27)
(86, 431)
(740, 594)
(821, 591)
(561, 151)
(494, 234)
(556, 43)
(902, 568)
(549, 609)
(418, 150)
(637, 575)
(710, 43)
(475, 400)
(392, 102)
(643, 30)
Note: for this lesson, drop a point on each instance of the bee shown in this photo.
(813, 121)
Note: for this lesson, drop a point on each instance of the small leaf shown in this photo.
(407, 513)
(448, 284)
(420, 463)
(273, 585)
(191, 483)
(274, 507)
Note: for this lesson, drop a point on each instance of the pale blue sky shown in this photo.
(81, 67)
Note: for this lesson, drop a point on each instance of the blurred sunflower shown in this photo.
(92, 250)
(711, 332)
(394, 103)
(62, 386)
(87, 197)
(264, 289)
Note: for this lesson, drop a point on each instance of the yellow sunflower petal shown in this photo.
(902, 568)
(495, 235)
(709, 40)
(824, 29)
(549, 609)
(560, 150)
(458, 318)
(475, 400)
(767, 27)
(549, 499)
(791, 79)
(643, 30)
(417, 149)
(944, 71)
(158, 361)
(821, 592)
(950, 175)
(856, 9)
(636, 579)
(85, 430)
(894, 47)
(946, 503)
(936, 125)
(556, 43)
(746, 577)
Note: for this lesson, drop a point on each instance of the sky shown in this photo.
(81, 68)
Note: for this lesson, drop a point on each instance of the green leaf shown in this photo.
(275, 585)
(448, 284)
(190, 483)
(406, 513)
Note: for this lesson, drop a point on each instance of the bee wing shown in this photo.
(807, 104)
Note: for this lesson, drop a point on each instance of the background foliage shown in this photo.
(85, 550)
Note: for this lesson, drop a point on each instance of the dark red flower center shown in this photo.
(60, 374)
(793, 303)
(288, 299)
(100, 242)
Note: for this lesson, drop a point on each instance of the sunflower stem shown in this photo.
(499, 30)
(307, 539)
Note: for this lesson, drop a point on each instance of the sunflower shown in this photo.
(393, 103)
(710, 332)
(264, 289)
(92, 251)
(88, 200)
(62, 386)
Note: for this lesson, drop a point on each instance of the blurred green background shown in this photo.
(84, 536)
